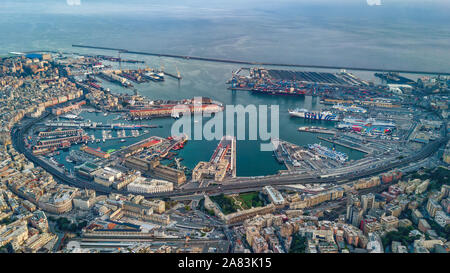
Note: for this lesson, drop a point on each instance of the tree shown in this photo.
(298, 244)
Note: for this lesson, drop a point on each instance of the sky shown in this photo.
(400, 33)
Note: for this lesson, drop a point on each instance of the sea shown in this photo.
(398, 34)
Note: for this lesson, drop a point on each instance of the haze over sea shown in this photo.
(401, 34)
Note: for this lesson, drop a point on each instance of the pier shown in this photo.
(178, 77)
(97, 126)
(264, 63)
(345, 144)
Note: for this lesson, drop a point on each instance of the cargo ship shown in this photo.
(279, 91)
(307, 114)
(352, 108)
(325, 151)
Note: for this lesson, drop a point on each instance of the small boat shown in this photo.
(122, 140)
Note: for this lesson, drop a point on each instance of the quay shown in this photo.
(99, 126)
(357, 148)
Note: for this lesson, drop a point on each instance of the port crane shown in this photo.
(161, 65)
(178, 72)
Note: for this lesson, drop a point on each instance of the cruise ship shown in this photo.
(350, 122)
(352, 108)
(307, 114)
(325, 151)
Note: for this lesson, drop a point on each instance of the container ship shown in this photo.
(322, 150)
(279, 91)
(352, 108)
(307, 114)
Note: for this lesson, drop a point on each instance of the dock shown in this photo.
(97, 126)
(347, 145)
(263, 63)
(173, 76)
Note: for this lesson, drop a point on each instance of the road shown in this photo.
(18, 133)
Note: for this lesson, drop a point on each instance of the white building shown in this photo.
(144, 185)
(274, 195)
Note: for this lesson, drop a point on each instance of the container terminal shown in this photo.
(394, 78)
(344, 90)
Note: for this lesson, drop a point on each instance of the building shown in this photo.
(274, 195)
(86, 169)
(85, 200)
(106, 176)
(95, 152)
(422, 187)
(442, 218)
(374, 245)
(367, 201)
(15, 233)
(158, 206)
(423, 225)
(144, 185)
(131, 209)
(221, 164)
(389, 222)
(433, 207)
(245, 214)
(169, 174)
(39, 221)
(372, 227)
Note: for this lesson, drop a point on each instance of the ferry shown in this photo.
(314, 129)
(71, 117)
(307, 114)
(157, 77)
(353, 108)
(325, 151)
(351, 122)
